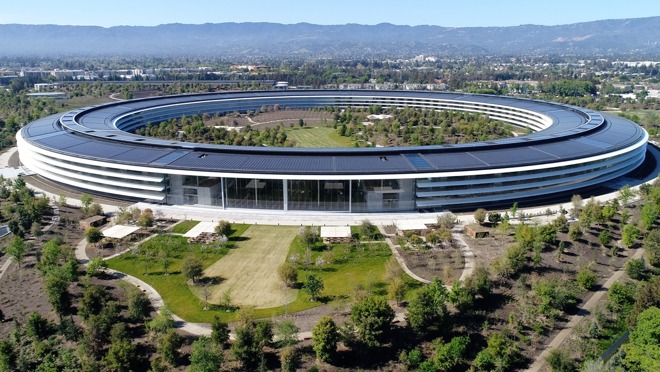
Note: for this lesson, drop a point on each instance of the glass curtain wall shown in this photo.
(254, 193)
(382, 195)
(318, 195)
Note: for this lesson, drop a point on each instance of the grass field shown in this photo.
(249, 271)
(347, 267)
(173, 286)
(184, 226)
(318, 137)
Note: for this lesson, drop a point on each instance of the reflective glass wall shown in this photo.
(318, 195)
(254, 193)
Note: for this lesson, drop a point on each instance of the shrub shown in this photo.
(636, 269)
(587, 278)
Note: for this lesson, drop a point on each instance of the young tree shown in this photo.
(446, 220)
(427, 311)
(95, 266)
(138, 305)
(642, 353)
(162, 323)
(289, 359)
(372, 317)
(288, 274)
(223, 228)
(368, 230)
(626, 194)
(206, 356)
(636, 269)
(325, 336)
(313, 285)
(192, 268)
(247, 347)
(450, 355)
(16, 249)
(121, 356)
(576, 202)
(168, 346)
(146, 219)
(629, 235)
(86, 200)
(480, 215)
(286, 333)
(93, 235)
(652, 247)
(219, 331)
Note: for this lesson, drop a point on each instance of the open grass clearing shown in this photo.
(249, 272)
(184, 226)
(173, 286)
(318, 137)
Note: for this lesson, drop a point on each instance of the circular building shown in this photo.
(92, 149)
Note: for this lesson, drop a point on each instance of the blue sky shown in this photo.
(448, 13)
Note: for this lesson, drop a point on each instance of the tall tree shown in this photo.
(427, 311)
(206, 356)
(324, 338)
(372, 317)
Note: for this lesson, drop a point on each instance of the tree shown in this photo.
(626, 194)
(480, 215)
(494, 218)
(93, 235)
(450, 355)
(138, 305)
(206, 356)
(8, 356)
(223, 228)
(289, 359)
(446, 220)
(308, 235)
(560, 361)
(427, 311)
(324, 338)
(247, 347)
(286, 333)
(16, 249)
(96, 266)
(146, 219)
(500, 354)
(288, 274)
(652, 247)
(313, 286)
(372, 317)
(636, 269)
(605, 238)
(162, 323)
(192, 268)
(37, 327)
(57, 289)
(629, 235)
(576, 202)
(168, 346)
(86, 200)
(648, 215)
(219, 331)
(586, 278)
(368, 230)
(121, 356)
(575, 232)
(95, 298)
(479, 283)
(642, 353)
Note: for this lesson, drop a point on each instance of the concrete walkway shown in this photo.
(584, 311)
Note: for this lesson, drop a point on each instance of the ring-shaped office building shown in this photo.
(569, 149)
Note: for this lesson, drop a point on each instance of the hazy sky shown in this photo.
(449, 13)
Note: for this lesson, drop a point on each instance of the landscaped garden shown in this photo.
(346, 270)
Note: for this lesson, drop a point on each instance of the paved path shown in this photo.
(5, 266)
(584, 311)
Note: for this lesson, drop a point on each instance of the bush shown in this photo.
(560, 361)
(480, 216)
(586, 278)
(288, 273)
(636, 269)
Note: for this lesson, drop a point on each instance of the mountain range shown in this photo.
(638, 36)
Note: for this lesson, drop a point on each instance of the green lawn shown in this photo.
(184, 226)
(351, 266)
(172, 286)
(318, 137)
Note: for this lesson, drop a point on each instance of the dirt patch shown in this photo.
(249, 271)
(444, 263)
